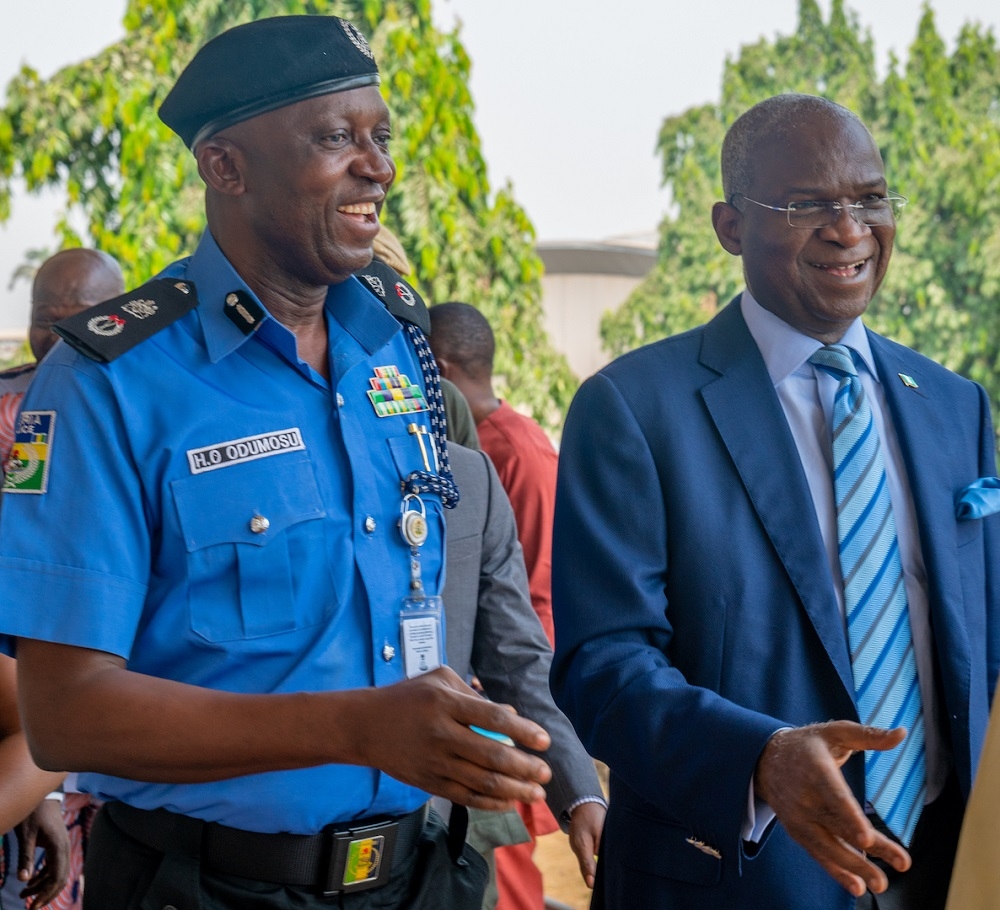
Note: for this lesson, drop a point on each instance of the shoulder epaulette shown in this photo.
(396, 293)
(109, 329)
(17, 371)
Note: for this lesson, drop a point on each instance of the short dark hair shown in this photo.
(461, 335)
(771, 117)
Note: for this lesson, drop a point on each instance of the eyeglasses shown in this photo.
(813, 213)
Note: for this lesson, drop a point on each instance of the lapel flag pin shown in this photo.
(908, 381)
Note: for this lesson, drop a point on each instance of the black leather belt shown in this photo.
(349, 857)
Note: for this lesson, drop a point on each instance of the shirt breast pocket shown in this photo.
(244, 528)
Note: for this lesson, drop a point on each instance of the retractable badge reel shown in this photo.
(420, 618)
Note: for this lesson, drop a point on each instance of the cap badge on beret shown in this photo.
(357, 39)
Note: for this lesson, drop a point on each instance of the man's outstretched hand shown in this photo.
(798, 775)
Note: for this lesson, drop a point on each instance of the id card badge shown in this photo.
(421, 634)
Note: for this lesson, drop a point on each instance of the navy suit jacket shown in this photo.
(696, 613)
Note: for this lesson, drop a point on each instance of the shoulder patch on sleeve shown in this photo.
(27, 467)
(396, 293)
(111, 328)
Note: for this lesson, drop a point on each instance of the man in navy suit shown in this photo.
(702, 646)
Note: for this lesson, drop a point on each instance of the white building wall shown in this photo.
(582, 282)
(574, 306)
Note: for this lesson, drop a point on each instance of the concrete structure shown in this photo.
(583, 280)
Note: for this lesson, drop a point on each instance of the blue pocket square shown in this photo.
(979, 499)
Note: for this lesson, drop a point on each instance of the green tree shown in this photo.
(92, 128)
(26, 270)
(937, 120)
(22, 354)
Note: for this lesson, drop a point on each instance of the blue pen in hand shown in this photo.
(492, 734)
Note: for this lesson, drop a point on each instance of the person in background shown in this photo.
(495, 640)
(224, 642)
(526, 462)
(775, 622)
(975, 880)
(66, 283)
(493, 633)
(524, 457)
(24, 789)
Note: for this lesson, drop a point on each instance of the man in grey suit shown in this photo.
(493, 632)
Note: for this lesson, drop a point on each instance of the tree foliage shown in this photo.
(92, 128)
(936, 118)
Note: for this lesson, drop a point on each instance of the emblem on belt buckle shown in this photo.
(360, 858)
(364, 856)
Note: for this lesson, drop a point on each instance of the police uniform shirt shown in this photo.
(216, 512)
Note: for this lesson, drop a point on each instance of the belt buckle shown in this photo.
(360, 858)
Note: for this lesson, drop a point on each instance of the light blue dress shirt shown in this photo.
(145, 544)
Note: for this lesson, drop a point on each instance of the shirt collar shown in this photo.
(357, 310)
(362, 314)
(785, 349)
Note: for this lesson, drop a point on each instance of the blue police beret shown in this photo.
(263, 65)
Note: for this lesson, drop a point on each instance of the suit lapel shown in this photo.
(748, 415)
(922, 424)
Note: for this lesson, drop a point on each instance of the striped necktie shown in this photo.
(883, 661)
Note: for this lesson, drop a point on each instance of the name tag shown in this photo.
(249, 448)
(422, 636)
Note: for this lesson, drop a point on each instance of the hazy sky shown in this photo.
(569, 104)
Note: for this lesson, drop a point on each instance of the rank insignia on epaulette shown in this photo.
(244, 312)
(109, 329)
(396, 293)
(392, 393)
(27, 466)
(405, 293)
(375, 283)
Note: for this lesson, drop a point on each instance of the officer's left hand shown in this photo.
(585, 826)
(43, 828)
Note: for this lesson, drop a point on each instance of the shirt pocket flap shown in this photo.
(221, 506)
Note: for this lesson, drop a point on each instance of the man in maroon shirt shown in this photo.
(523, 455)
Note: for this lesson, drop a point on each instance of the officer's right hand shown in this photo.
(418, 732)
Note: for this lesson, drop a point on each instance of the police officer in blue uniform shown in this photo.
(224, 504)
